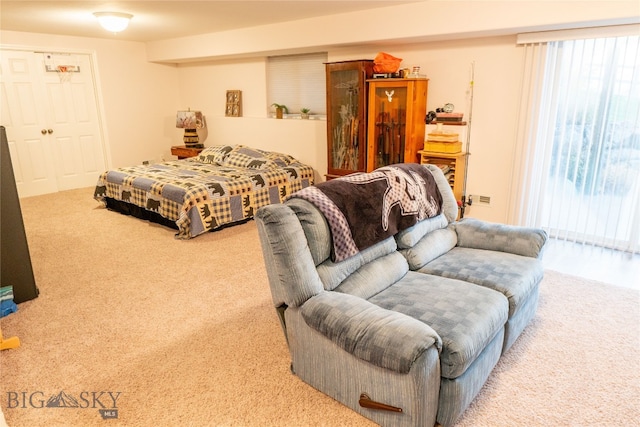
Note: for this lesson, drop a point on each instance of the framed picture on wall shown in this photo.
(234, 103)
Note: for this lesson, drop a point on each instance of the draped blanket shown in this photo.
(363, 209)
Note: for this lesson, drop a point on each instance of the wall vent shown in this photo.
(484, 200)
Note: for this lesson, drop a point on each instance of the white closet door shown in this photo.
(60, 146)
(24, 116)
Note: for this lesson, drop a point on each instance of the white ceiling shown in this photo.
(159, 20)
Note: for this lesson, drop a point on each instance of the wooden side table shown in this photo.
(184, 152)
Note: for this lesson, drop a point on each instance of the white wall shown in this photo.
(138, 98)
(443, 37)
(203, 86)
(498, 64)
(396, 24)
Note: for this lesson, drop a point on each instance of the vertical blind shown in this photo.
(297, 81)
(578, 154)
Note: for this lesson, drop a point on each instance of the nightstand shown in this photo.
(184, 152)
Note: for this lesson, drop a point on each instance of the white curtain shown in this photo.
(577, 164)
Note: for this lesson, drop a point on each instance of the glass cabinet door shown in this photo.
(390, 121)
(396, 127)
(346, 116)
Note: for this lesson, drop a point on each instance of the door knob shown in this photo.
(43, 131)
(49, 131)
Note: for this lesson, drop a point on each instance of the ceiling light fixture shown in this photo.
(113, 21)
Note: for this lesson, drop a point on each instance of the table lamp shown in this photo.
(190, 121)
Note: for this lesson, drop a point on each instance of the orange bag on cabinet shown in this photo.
(385, 63)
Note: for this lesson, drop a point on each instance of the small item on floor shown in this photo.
(6, 344)
(7, 306)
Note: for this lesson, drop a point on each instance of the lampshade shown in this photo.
(190, 121)
(113, 21)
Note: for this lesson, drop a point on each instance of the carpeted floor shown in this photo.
(182, 333)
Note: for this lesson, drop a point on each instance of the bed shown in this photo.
(223, 185)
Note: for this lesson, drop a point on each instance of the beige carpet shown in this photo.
(185, 332)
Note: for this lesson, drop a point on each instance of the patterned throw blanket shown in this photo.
(365, 208)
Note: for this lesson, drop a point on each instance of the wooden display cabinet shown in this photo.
(396, 127)
(347, 116)
(456, 164)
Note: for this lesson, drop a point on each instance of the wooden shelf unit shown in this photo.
(457, 164)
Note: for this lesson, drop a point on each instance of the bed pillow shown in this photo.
(245, 157)
(282, 160)
(215, 154)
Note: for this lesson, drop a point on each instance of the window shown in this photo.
(583, 136)
(297, 81)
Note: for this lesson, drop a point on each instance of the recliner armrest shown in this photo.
(477, 234)
(385, 338)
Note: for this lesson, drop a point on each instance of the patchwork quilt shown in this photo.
(223, 185)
